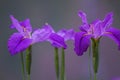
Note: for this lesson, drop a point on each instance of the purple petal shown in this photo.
(67, 34)
(83, 16)
(17, 43)
(114, 34)
(15, 24)
(42, 34)
(82, 42)
(85, 27)
(26, 24)
(98, 30)
(107, 20)
(48, 27)
(57, 41)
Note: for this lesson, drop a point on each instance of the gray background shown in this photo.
(60, 14)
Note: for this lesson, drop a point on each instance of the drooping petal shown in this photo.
(42, 34)
(114, 34)
(82, 42)
(15, 24)
(17, 43)
(83, 16)
(107, 20)
(67, 34)
(57, 41)
(26, 24)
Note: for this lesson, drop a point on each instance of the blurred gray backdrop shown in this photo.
(60, 14)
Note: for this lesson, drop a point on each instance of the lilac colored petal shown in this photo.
(42, 34)
(48, 27)
(96, 22)
(15, 24)
(98, 30)
(57, 41)
(67, 34)
(85, 27)
(107, 20)
(26, 24)
(114, 34)
(83, 16)
(82, 42)
(17, 43)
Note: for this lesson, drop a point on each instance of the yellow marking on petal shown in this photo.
(27, 34)
(24, 29)
(92, 28)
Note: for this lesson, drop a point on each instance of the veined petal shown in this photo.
(48, 27)
(57, 41)
(97, 29)
(42, 34)
(17, 43)
(82, 42)
(26, 24)
(15, 24)
(107, 20)
(67, 34)
(114, 34)
(85, 27)
(83, 16)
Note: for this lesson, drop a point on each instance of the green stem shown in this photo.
(95, 48)
(28, 61)
(22, 62)
(28, 77)
(56, 59)
(95, 76)
(89, 63)
(63, 65)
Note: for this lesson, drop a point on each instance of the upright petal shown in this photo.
(48, 27)
(114, 34)
(57, 41)
(97, 29)
(85, 27)
(15, 24)
(82, 42)
(107, 20)
(26, 24)
(67, 34)
(42, 34)
(83, 16)
(17, 43)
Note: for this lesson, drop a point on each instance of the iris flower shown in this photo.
(21, 40)
(57, 39)
(95, 31)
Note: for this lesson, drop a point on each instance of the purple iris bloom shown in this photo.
(58, 39)
(22, 39)
(95, 30)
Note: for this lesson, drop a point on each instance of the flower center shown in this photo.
(26, 32)
(91, 29)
